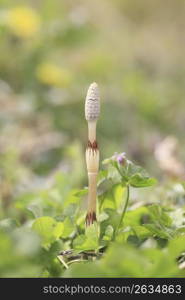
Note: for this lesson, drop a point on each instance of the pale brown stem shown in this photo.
(92, 159)
(92, 192)
(92, 131)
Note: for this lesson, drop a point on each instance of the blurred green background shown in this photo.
(50, 51)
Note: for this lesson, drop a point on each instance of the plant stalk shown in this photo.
(92, 110)
(123, 212)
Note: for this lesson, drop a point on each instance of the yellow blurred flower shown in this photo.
(51, 74)
(23, 21)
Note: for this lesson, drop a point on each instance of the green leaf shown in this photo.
(138, 181)
(141, 231)
(58, 230)
(68, 228)
(89, 241)
(45, 226)
(135, 217)
(157, 213)
(112, 219)
(107, 200)
(79, 241)
(81, 193)
(133, 169)
(156, 230)
(123, 235)
(102, 217)
(177, 246)
(92, 234)
(108, 233)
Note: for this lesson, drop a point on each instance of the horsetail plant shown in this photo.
(92, 111)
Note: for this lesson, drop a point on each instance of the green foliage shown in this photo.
(130, 173)
(145, 241)
(88, 241)
(59, 48)
(124, 260)
(48, 229)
